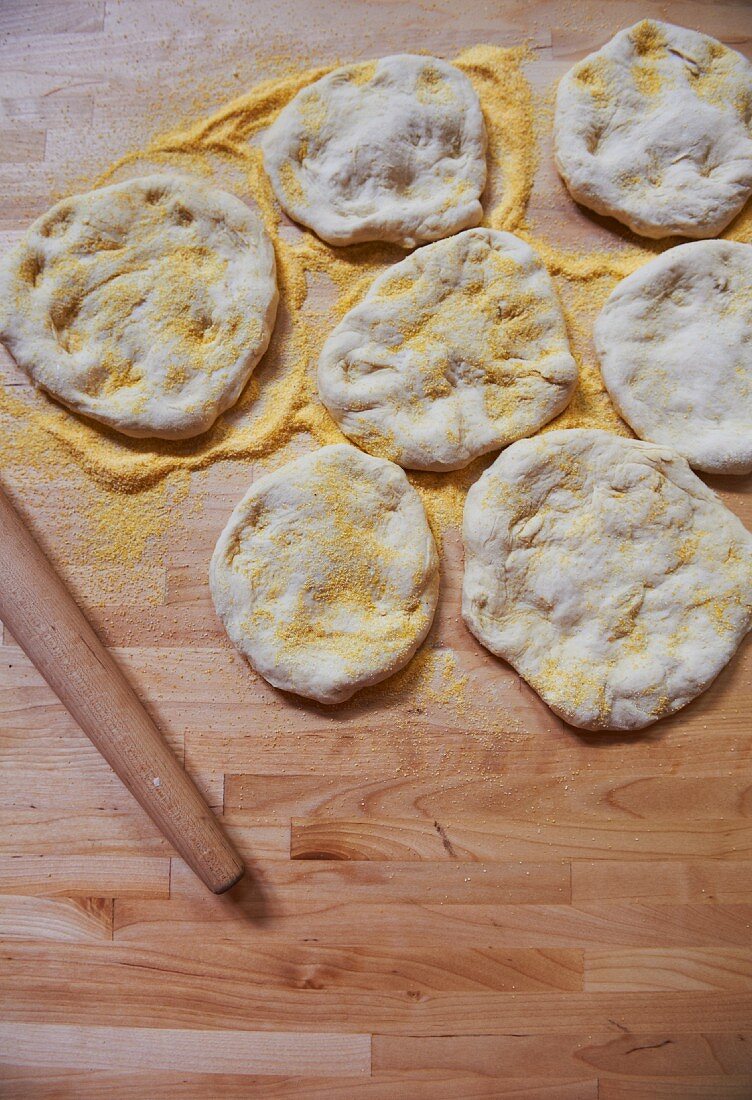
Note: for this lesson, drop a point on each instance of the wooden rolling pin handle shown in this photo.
(55, 635)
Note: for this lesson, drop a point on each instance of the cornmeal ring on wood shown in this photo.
(455, 351)
(144, 305)
(675, 346)
(612, 579)
(654, 129)
(387, 150)
(326, 576)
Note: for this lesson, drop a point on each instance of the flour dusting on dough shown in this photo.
(326, 576)
(456, 351)
(613, 580)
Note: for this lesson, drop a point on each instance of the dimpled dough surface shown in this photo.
(455, 351)
(654, 129)
(675, 345)
(144, 305)
(389, 150)
(326, 576)
(610, 577)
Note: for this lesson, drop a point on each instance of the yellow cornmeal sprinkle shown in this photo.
(488, 320)
(291, 185)
(280, 402)
(568, 681)
(362, 74)
(712, 77)
(133, 485)
(349, 603)
(573, 688)
(647, 78)
(507, 102)
(595, 76)
(457, 191)
(352, 558)
(716, 79)
(737, 299)
(397, 286)
(313, 112)
(431, 87)
(140, 269)
(583, 284)
(648, 39)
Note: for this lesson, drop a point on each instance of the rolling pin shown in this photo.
(51, 629)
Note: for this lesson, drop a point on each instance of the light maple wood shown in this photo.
(53, 876)
(54, 633)
(588, 935)
(116, 1048)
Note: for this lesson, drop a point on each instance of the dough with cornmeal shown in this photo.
(326, 576)
(455, 351)
(654, 129)
(612, 579)
(387, 150)
(675, 345)
(144, 305)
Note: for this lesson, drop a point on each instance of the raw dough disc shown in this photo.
(675, 345)
(144, 305)
(326, 576)
(455, 351)
(612, 579)
(388, 150)
(653, 129)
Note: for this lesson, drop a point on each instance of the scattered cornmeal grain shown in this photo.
(131, 488)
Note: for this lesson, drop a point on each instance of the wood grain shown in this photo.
(90, 875)
(438, 907)
(55, 634)
(621, 1056)
(116, 1048)
(421, 1084)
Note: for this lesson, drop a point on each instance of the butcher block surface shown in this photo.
(445, 899)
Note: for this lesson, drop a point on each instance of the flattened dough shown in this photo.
(144, 305)
(654, 129)
(613, 580)
(675, 344)
(326, 576)
(388, 150)
(455, 351)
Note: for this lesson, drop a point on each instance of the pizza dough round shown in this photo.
(388, 150)
(612, 579)
(675, 345)
(654, 129)
(326, 576)
(144, 305)
(455, 351)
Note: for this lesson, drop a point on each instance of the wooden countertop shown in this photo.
(436, 910)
